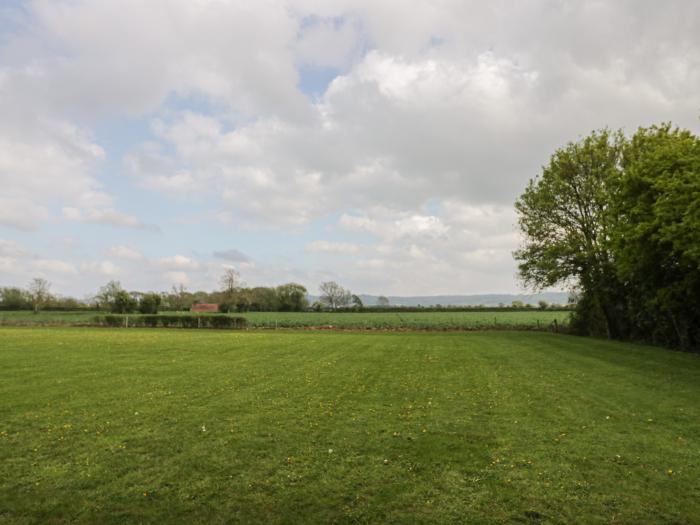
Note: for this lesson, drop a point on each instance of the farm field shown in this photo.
(186, 426)
(351, 320)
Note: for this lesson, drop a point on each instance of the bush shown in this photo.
(110, 320)
(149, 303)
(173, 321)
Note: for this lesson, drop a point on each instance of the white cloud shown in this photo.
(178, 262)
(11, 249)
(341, 248)
(420, 145)
(177, 278)
(107, 216)
(102, 268)
(54, 266)
(124, 252)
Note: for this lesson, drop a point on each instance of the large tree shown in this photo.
(657, 235)
(334, 296)
(291, 297)
(564, 216)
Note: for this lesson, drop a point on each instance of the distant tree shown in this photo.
(242, 299)
(177, 298)
(14, 299)
(543, 304)
(123, 303)
(108, 293)
(149, 303)
(292, 297)
(263, 299)
(382, 301)
(39, 293)
(334, 296)
(517, 304)
(230, 281)
(357, 302)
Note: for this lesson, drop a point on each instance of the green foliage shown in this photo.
(14, 299)
(123, 303)
(619, 218)
(564, 219)
(106, 426)
(657, 239)
(149, 303)
(172, 321)
(291, 297)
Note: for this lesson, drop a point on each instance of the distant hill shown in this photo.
(465, 300)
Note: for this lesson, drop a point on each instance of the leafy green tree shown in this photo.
(149, 303)
(382, 301)
(12, 298)
(292, 297)
(123, 303)
(565, 221)
(657, 236)
(107, 295)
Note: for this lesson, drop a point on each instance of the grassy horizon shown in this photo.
(171, 426)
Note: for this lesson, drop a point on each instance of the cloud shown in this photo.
(410, 159)
(325, 42)
(232, 255)
(177, 278)
(102, 268)
(107, 216)
(333, 247)
(178, 262)
(124, 252)
(11, 249)
(54, 266)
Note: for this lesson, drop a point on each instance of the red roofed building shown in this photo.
(205, 308)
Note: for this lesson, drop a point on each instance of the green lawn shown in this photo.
(180, 426)
(353, 320)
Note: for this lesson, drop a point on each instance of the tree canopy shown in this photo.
(618, 218)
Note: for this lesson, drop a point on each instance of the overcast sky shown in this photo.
(378, 143)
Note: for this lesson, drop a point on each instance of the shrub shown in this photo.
(149, 303)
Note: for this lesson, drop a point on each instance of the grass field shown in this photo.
(181, 426)
(353, 320)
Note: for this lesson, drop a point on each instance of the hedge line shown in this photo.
(172, 321)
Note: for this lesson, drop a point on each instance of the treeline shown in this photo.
(112, 297)
(618, 217)
(290, 297)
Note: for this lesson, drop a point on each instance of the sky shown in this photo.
(377, 143)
